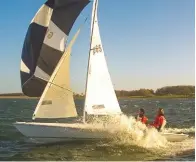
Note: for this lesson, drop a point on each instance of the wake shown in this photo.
(124, 130)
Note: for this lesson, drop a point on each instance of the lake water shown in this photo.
(180, 114)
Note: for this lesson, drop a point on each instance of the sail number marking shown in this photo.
(97, 49)
(49, 34)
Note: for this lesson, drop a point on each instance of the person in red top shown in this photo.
(141, 117)
(160, 120)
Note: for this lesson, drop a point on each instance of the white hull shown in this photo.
(57, 132)
(172, 137)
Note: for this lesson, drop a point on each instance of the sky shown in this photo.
(148, 44)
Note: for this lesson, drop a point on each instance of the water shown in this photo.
(128, 142)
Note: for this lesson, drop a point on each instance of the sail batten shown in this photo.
(100, 95)
(45, 41)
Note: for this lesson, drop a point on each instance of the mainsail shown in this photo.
(100, 95)
(45, 40)
(57, 99)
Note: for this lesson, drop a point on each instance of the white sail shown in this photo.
(100, 95)
(57, 99)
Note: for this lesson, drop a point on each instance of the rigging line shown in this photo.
(60, 87)
(85, 21)
(64, 57)
(55, 84)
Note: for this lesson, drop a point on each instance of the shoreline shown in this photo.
(128, 97)
(18, 97)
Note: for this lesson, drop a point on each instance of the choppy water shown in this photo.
(180, 114)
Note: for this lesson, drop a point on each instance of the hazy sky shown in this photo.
(147, 43)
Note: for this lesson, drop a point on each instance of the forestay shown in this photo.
(57, 99)
(100, 95)
(45, 42)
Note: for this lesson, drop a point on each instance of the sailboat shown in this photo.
(56, 99)
(45, 74)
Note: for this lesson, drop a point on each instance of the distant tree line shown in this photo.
(176, 90)
(140, 92)
(164, 91)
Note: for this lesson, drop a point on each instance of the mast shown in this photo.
(92, 29)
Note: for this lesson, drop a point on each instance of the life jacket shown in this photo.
(159, 122)
(143, 119)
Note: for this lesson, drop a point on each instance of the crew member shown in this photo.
(160, 121)
(141, 116)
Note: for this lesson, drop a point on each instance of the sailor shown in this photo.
(160, 120)
(141, 116)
